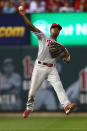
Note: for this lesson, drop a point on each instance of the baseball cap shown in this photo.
(56, 24)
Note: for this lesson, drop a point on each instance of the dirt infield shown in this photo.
(41, 114)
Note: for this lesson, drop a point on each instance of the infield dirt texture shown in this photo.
(44, 123)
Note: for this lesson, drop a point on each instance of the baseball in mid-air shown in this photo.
(20, 8)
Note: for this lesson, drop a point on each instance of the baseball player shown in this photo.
(44, 67)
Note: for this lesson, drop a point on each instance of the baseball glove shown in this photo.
(56, 50)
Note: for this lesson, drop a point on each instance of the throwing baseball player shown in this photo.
(49, 52)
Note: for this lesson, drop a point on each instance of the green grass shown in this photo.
(66, 123)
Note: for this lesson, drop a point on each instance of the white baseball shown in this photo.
(20, 8)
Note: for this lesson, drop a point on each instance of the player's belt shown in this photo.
(47, 64)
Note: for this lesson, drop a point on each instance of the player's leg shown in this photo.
(38, 76)
(54, 79)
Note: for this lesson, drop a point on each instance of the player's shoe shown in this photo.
(26, 113)
(69, 108)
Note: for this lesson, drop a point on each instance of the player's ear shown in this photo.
(50, 30)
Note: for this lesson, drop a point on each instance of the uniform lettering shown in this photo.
(49, 42)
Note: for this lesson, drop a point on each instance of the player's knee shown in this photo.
(58, 84)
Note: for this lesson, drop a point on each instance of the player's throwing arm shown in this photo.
(31, 26)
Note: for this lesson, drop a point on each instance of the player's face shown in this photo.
(54, 31)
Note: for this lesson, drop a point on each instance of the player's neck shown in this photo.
(55, 38)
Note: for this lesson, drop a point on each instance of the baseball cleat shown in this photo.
(26, 113)
(69, 108)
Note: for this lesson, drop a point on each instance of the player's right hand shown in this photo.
(21, 10)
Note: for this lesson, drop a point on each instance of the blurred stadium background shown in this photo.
(18, 51)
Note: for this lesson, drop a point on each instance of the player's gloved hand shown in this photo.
(66, 59)
(56, 50)
(21, 10)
